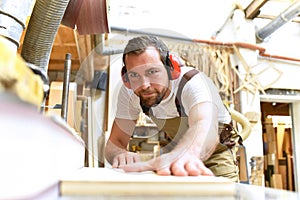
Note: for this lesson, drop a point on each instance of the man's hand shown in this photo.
(171, 163)
(125, 158)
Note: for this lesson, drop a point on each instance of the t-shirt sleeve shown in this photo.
(201, 89)
(196, 91)
(128, 106)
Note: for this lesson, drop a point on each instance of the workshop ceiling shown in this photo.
(267, 9)
(67, 41)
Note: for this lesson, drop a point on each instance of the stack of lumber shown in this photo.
(278, 156)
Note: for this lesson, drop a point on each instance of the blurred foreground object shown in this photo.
(35, 150)
(17, 78)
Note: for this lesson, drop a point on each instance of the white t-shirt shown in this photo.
(198, 89)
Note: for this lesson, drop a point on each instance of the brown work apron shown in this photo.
(223, 160)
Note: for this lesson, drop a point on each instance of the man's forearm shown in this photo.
(202, 136)
(201, 139)
(112, 150)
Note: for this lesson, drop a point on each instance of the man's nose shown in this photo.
(145, 82)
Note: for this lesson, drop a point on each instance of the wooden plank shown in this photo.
(64, 43)
(276, 181)
(59, 53)
(252, 9)
(113, 182)
(287, 142)
(55, 97)
(270, 131)
(283, 172)
(280, 138)
(272, 147)
(243, 173)
(273, 161)
(64, 36)
(84, 46)
(290, 172)
(58, 65)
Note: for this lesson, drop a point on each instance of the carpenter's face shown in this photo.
(148, 76)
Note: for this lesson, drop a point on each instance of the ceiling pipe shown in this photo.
(104, 50)
(290, 13)
(154, 32)
(101, 49)
(109, 50)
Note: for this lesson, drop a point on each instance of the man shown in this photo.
(153, 79)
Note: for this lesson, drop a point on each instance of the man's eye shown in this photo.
(153, 71)
(133, 75)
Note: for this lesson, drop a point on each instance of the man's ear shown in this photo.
(124, 77)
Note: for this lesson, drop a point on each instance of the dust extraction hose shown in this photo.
(42, 29)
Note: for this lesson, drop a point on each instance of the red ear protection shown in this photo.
(172, 65)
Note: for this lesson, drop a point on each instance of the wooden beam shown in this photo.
(253, 8)
(59, 52)
(84, 48)
(58, 65)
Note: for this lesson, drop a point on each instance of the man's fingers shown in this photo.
(207, 172)
(189, 168)
(204, 170)
(193, 169)
(137, 167)
(125, 159)
(118, 160)
(162, 166)
(178, 169)
(164, 171)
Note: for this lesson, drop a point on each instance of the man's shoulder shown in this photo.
(126, 93)
(182, 81)
(185, 69)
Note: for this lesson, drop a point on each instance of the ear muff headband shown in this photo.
(172, 65)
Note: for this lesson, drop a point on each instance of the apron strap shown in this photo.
(186, 77)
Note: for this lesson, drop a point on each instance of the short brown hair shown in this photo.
(138, 45)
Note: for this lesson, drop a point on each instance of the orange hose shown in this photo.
(247, 46)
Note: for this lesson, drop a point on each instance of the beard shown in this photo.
(153, 100)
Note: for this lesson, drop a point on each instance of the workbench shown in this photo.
(107, 183)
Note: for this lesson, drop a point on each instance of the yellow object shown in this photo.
(243, 121)
(16, 77)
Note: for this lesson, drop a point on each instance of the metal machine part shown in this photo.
(65, 95)
(290, 13)
(13, 16)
